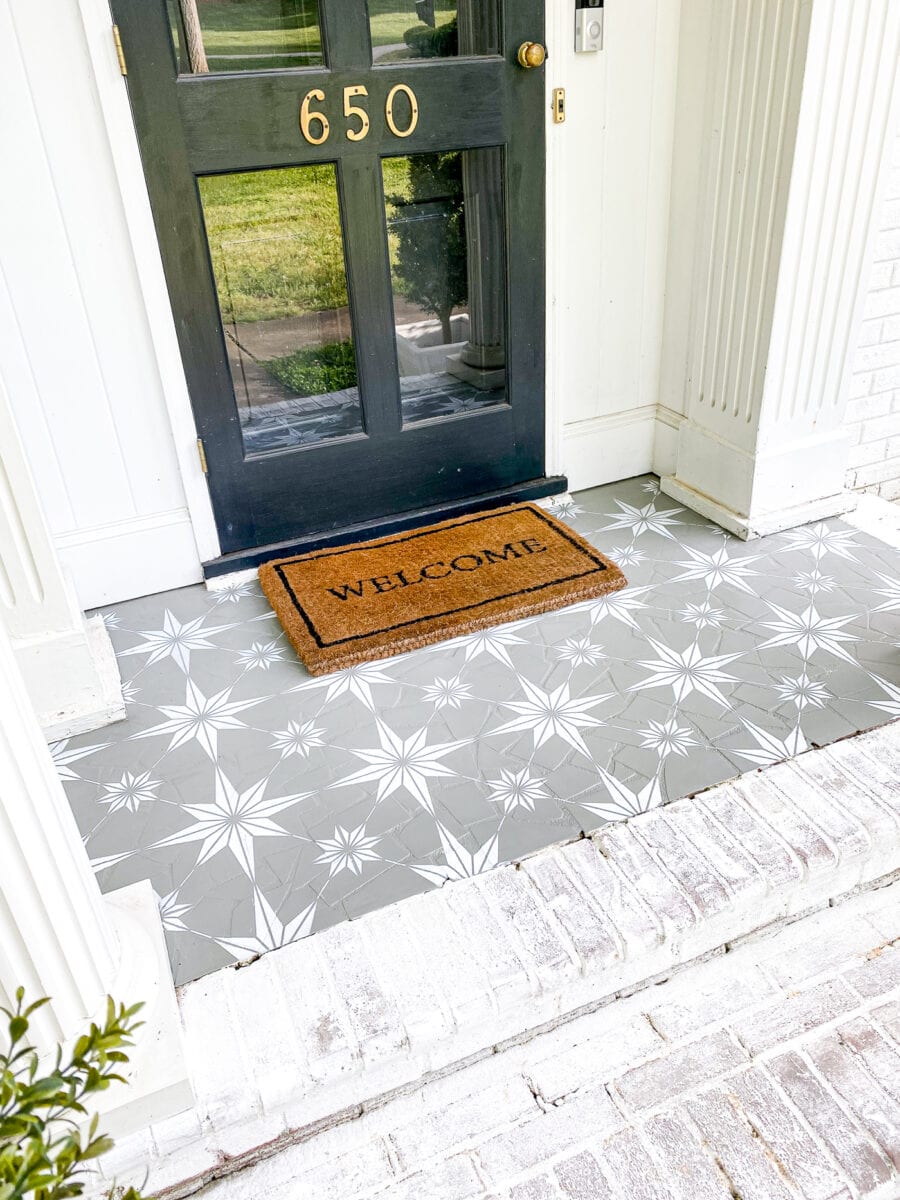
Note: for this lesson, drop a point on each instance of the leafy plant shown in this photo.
(440, 42)
(43, 1145)
(316, 371)
(429, 227)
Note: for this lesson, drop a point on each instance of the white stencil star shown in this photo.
(646, 519)
(667, 737)
(460, 863)
(200, 718)
(62, 756)
(130, 792)
(772, 749)
(516, 789)
(809, 632)
(822, 540)
(447, 693)
(623, 802)
(403, 762)
(717, 568)
(348, 850)
(298, 738)
(494, 643)
(619, 606)
(553, 713)
(270, 933)
(802, 690)
(176, 641)
(261, 656)
(355, 681)
(171, 912)
(891, 593)
(891, 706)
(580, 652)
(686, 671)
(232, 821)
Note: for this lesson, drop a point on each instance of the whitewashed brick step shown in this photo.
(290, 1048)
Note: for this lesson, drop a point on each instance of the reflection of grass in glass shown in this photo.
(316, 371)
(275, 240)
(271, 27)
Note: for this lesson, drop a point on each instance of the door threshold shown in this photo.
(246, 560)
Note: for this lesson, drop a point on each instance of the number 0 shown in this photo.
(308, 114)
(413, 110)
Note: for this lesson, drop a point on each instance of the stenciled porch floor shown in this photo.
(264, 805)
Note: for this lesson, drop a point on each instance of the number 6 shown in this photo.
(308, 114)
(352, 110)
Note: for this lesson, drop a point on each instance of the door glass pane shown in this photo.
(448, 272)
(245, 35)
(403, 29)
(278, 259)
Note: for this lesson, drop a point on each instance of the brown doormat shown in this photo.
(352, 604)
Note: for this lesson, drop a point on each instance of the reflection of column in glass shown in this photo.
(481, 361)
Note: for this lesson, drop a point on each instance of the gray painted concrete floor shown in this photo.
(264, 805)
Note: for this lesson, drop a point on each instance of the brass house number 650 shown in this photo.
(315, 127)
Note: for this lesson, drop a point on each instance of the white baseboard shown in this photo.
(605, 449)
(764, 524)
(137, 557)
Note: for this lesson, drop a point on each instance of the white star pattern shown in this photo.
(403, 763)
(130, 792)
(717, 568)
(447, 693)
(667, 737)
(232, 822)
(809, 632)
(595, 723)
(298, 738)
(516, 789)
(553, 714)
(686, 671)
(271, 933)
(176, 641)
(644, 519)
(580, 652)
(704, 616)
(802, 691)
(623, 801)
(261, 656)
(200, 719)
(348, 850)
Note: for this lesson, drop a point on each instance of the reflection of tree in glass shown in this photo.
(440, 42)
(429, 226)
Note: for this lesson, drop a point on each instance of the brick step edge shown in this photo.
(326, 1028)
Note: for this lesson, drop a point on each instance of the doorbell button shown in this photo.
(588, 29)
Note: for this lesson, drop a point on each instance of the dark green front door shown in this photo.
(349, 199)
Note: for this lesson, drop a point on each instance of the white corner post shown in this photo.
(67, 661)
(60, 938)
(800, 101)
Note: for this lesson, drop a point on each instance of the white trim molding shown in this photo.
(799, 102)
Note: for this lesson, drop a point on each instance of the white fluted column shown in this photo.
(56, 938)
(68, 662)
(800, 100)
(59, 937)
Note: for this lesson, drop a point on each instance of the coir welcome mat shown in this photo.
(352, 604)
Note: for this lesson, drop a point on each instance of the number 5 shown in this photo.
(308, 114)
(352, 110)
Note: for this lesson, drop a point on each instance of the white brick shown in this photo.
(656, 1083)
(881, 1058)
(214, 1054)
(774, 806)
(628, 1164)
(512, 981)
(669, 905)
(541, 946)
(860, 1159)
(401, 970)
(774, 862)
(812, 1170)
(455, 1179)
(580, 1121)
(878, 974)
(716, 992)
(580, 1178)
(883, 302)
(442, 1132)
(633, 923)
(696, 875)
(692, 1173)
(320, 1025)
(258, 1008)
(598, 1059)
(583, 920)
(749, 1168)
(876, 1111)
(797, 1014)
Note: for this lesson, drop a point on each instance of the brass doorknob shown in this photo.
(531, 54)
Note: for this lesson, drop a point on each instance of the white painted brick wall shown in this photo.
(873, 411)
